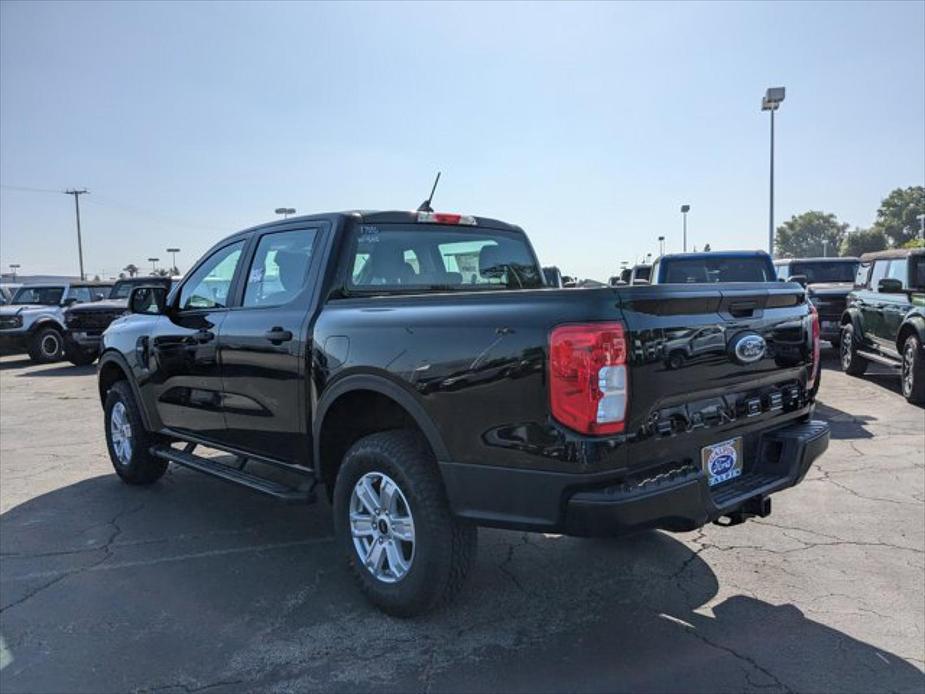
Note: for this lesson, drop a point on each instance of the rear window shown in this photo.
(440, 258)
(917, 276)
(826, 272)
(715, 269)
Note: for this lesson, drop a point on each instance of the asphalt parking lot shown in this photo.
(194, 585)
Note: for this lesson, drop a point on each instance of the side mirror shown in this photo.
(148, 300)
(888, 285)
(799, 279)
(70, 301)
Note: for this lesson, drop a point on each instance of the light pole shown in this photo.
(661, 245)
(772, 100)
(285, 211)
(684, 210)
(153, 262)
(921, 218)
(14, 267)
(173, 263)
(825, 248)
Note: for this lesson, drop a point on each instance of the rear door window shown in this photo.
(918, 272)
(899, 270)
(433, 257)
(280, 267)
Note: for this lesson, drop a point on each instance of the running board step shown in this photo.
(283, 492)
(879, 358)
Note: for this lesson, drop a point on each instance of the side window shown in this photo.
(879, 272)
(82, 294)
(208, 287)
(860, 279)
(899, 270)
(280, 267)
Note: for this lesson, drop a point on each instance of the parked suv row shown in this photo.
(884, 321)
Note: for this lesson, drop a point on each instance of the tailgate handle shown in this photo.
(742, 309)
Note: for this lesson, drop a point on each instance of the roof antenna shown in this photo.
(425, 206)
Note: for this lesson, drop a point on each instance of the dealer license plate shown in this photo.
(722, 461)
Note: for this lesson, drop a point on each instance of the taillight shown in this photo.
(588, 388)
(816, 365)
(446, 218)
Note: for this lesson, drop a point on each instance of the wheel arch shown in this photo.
(113, 367)
(912, 325)
(369, 403)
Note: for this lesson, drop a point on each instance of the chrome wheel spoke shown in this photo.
(367, 495)
(386, 494)
(375, 554)
(403, 528)
(362, 525)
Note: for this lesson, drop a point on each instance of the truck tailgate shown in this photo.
(705, 356)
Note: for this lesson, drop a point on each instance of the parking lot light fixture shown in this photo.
(14, 267)
(771, 101)
(173, 262)
(285, 211)
(684, 210)
(153, 262)
(661, 245)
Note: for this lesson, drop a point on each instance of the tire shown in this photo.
(46, 346)
(676, 359)
(913, 371)
(852, 363)
(134, 464)
(78, 356)
(432, 568)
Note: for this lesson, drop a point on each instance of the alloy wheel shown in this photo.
(120, 430)
(908, 378)
(382, 527)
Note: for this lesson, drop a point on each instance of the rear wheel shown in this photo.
(913, 371)
(46, 346)
(852, 363)
(406, 550)
(128, 441)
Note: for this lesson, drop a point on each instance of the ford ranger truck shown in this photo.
(416, 370)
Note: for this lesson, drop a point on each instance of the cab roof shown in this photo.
(892, 253)
(842, 259)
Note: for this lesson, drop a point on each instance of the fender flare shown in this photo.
(853, 316)
(918, 324)
(111, 356)
(383, 386)
(44, 322)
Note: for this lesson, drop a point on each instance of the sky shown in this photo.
(586, 124)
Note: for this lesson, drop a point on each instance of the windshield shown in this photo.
(716, 269)
(643, 272)
(47, 296)
(440, 257)
(825, 272)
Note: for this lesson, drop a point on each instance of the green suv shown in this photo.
(884, 320)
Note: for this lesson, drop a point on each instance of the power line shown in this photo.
(24, 189)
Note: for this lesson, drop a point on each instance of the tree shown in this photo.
(896, 217)
(707, 249)
(811, 234)
(914, 243)
(131, 269)
(861, 241)
(160, 272)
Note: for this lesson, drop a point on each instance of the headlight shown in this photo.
(11, 322)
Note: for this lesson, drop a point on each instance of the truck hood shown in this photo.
(105, 305)
(830, 288)
(23, 308)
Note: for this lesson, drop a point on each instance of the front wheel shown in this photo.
(46, 346)
(913, 371)
(852, 363)
(128, 441)
(406, 550)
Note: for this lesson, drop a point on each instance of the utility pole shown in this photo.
(684, 210)
(80, 249)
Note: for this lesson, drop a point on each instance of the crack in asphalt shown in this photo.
(105, 548)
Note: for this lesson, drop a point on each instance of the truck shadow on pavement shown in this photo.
(190, 584)
(65, 369)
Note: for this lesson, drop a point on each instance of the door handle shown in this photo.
(277, 335)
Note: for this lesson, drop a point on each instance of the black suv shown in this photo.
(828, 282)
(85, 323)
(884, 321)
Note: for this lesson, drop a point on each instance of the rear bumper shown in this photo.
(673, 498)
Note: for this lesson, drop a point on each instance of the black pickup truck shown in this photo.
(416, 367)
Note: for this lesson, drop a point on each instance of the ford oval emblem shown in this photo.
(722, 464)
(749, 348)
